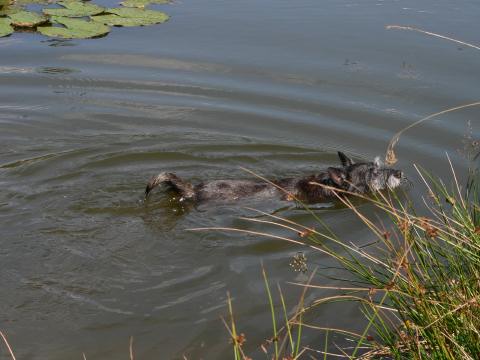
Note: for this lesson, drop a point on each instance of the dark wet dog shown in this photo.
(361, 178)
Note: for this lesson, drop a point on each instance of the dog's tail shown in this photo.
(184, 188)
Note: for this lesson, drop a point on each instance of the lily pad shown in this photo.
(74, 28)
(74, 9)
(5, 28)
(27, 19)
(131, 17)
(142, 3)
(30, 2)
(115, 20)
(10, 9)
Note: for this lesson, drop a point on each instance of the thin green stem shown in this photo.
(272, 310)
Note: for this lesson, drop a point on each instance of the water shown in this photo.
(273, 86)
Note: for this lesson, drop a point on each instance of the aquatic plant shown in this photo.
(6, 27)
(76, 19)
(73, 28)
(130, 17)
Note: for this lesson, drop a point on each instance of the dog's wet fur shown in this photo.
(360, 178)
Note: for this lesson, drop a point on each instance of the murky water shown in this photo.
(273, 86)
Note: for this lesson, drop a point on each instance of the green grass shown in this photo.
(286, 339)
(418, 284)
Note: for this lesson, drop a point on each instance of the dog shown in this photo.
(360, 178)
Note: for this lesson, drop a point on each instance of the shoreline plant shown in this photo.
(419, 289)
(418, 283)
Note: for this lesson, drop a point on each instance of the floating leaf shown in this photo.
(74, 28)
(151, 15)
(30, 2)
(5, 28)
(142, 3)
(131, 17)
(115, 20)
(63, 22)
(11, 9)
(27, 19)
(74, 9)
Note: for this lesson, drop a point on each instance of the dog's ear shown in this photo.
(344, 159)
(337, 176)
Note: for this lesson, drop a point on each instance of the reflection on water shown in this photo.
(86, 263)
(55, 70)
(59, 42)
(146, 61)
(14, 70)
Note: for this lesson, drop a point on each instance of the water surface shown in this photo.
(273, 86)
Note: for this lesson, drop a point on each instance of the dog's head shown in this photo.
(370, 176)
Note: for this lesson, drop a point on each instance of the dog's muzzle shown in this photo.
(396, 179)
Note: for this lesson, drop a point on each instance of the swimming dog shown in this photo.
(360, 178)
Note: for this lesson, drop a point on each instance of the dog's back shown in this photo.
(357, 178)
(230, 190)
